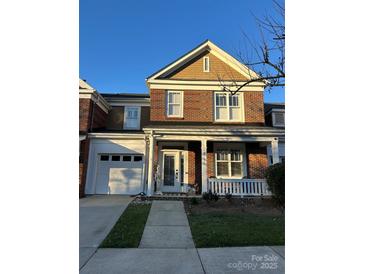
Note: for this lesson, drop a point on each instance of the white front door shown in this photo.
(171, 181)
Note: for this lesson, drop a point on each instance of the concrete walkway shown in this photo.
(167, 226)
(97, 216)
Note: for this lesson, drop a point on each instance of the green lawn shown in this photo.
(236, 229)
(128, 230)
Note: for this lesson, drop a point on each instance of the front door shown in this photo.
(171, 172)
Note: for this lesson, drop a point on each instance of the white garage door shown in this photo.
(119, 174)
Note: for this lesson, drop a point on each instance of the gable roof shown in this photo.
(207, 45)
(84, 85)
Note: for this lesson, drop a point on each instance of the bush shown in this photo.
(228, 196)
(194, 201)
(275, 176)
(209, 196)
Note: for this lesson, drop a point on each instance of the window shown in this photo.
(206, 65)
(229, 163)
(131, 117)
(175, 103)
(115, 158)
(104, 158)
(278, 119)
(137, 158)
(228, 107)
(127, 158)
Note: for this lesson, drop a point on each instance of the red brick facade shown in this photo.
(254, 107)
(199, 107)
(257, 160)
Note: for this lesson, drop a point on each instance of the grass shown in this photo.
(236, 229)
(128, 230)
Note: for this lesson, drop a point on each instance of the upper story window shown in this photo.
(278, 119)
(228, 107)
(174, 104)
(132, 118)
(206, 64)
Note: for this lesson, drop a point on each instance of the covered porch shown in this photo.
(194, 162)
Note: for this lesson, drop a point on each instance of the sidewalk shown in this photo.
(167, 247)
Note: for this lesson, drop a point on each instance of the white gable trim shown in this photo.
(212, 48)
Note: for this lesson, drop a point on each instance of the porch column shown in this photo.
(204, 165)
(150, 165)
(275, 150)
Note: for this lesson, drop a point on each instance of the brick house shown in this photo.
(187, 135)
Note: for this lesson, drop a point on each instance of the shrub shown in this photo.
(275, 176)
(228, 196)
(209, 196)
(194, 201)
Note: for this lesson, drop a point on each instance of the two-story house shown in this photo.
(188, 134)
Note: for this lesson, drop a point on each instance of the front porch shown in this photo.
(194, 164)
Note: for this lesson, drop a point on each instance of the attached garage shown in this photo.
(119, 174)
(117, 166)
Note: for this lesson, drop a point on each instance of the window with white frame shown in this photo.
(131, 117)
(228, 107)
(174, 103)
(229, 163)
(206, 64)
(278, 119)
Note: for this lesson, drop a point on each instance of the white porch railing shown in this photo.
(239, 187)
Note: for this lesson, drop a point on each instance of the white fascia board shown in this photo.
(128, 102)
(215, 138)
(218, 52)
(95, 97)
(106, 135)
(275, 110)
(233, 62)
(174, 86)
(222, 132)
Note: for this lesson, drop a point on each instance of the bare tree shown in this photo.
(266, 56)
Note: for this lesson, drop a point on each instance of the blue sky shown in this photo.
(123, 42)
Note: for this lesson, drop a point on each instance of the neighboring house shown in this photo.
(187, 134)
(93, 112)
(275, 117)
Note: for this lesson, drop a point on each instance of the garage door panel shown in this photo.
(118, 176)
(125, 180)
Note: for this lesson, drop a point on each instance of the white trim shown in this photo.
(181, 114)
(184, 152)
(204, 167)
(95, 97)
(123, 104)
(150, 164)
(124, 135)
(212, 48)
(198, 86)
(275, 151)
(241, 107)
(229, 146)
(206, 68)
(274, 123)
(204, 82)
(138, 118)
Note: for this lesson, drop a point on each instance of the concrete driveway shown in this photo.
(97, 216)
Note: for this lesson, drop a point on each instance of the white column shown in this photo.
(150, 165)
(204, 165)
(275, 150)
